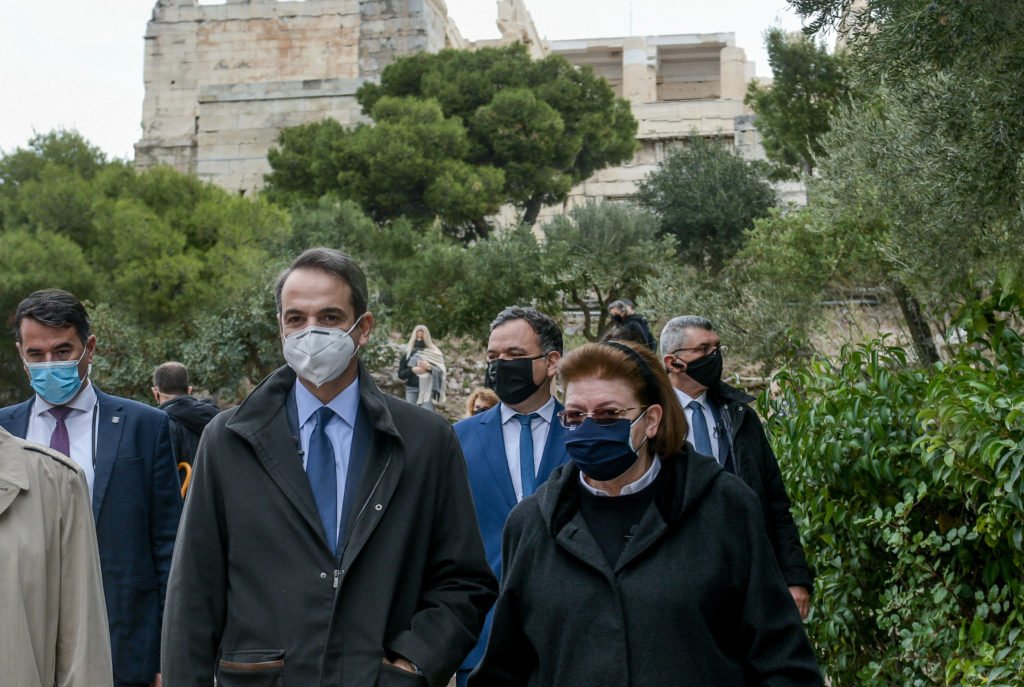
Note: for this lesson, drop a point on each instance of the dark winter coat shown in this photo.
(256, 596)
(754, 463)
(694, 600)
(189, 416)
(638, 325)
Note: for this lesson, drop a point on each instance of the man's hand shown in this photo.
(400, 663)
(802, 599)
(157, 682)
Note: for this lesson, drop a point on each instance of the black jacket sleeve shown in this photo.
(405, 372)
(782, 531)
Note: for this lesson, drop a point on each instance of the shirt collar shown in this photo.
(633, 487)
(685, 399)
(546, 411)
(345, 405)
(84, 400)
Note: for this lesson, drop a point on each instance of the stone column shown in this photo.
(733, 70)
(639, 77)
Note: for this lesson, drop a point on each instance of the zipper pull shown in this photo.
(337, 578)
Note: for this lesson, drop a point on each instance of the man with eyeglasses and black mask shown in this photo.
(721, 425)
(512, 448)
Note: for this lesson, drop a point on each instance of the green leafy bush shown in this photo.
(906, 484)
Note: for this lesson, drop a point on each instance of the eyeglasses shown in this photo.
(571, 419)
(705, 349)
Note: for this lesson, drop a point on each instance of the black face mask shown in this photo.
(707, 370)
(512, 379)
(618, 319)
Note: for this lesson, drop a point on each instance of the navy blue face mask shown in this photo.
(603, 452)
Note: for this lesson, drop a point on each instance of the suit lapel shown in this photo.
(110, 424)
(492, 441)
(17, 422)
(554, 447)
(278, 450)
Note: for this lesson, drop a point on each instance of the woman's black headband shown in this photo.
(650, 381)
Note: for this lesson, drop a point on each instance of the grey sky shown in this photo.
(75, 64)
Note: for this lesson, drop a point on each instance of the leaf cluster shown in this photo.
(151, 251)
(906, 484)
(706, 196)
(456, 135)
(793, 113)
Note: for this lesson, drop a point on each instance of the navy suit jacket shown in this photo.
(136, 504)
(493, 494)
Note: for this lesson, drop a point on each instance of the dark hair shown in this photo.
(171, 378)
(673, 335)
(622, 334)
(547, 330)
(334, 263)
(650, 385)
(54, 308)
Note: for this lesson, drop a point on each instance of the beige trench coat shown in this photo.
(53, 621)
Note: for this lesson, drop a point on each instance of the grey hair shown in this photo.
(548, 332)
(673, 335)
(334, 263)
(620, 304)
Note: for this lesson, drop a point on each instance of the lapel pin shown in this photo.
(115, 419)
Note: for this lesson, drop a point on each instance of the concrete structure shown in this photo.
(675, 85)
(222, 79)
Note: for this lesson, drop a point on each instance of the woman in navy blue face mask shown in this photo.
(639, 562)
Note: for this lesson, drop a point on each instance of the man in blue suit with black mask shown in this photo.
(512, 448)
(124, 448)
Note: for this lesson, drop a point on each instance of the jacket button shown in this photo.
(378, 507)
(323, 576)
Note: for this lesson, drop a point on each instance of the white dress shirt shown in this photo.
(713, 428)
(510, 430)
(633, 487)
(80, 423)
(339, 430)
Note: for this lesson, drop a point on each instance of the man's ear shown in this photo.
(553, 358)
(673, 364)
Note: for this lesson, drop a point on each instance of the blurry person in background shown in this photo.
(422, 368)
(480, 400)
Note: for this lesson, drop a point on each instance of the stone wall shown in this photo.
(223, 79)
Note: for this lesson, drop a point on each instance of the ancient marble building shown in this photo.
(222, 79)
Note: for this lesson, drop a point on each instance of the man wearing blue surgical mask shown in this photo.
(512, 448)
(723, 426)
(124, 449)
(328, 537)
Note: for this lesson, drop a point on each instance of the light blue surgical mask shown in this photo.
(56, 382)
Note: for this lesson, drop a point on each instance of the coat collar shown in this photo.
(686, 478)
(261, 420)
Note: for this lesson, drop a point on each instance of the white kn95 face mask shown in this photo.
(320, 354)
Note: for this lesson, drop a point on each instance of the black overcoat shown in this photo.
(755, 463)
(695, 599)
(257, 597)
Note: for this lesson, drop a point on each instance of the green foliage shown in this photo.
(604, 251)
(794, 111)
(459, 133)
(936, 147)
(421, 276)
(906, 484)
(706, 196)
(153, 252)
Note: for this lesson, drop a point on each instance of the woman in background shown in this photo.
(639, 562)
(422, 368)
(480, 400)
